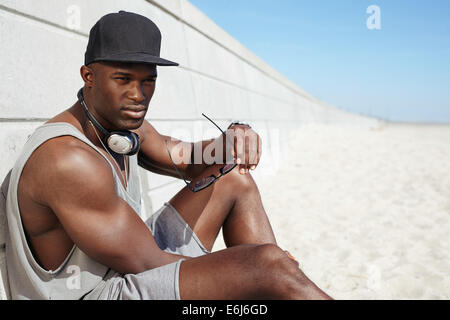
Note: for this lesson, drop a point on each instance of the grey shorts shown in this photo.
(172, 234)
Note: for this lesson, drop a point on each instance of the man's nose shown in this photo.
(136, 93)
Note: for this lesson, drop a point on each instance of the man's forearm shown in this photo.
(190, 158)
(198, 162)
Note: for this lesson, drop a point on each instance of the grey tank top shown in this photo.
(78, 275)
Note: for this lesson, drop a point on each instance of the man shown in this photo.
(74, 200)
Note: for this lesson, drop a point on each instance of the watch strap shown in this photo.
(238, 123)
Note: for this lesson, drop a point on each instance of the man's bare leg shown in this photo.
(233, 202)
(253, 267)
(246, 272)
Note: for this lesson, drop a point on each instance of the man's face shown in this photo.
(121, 93)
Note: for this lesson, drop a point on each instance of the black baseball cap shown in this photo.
(125, 37)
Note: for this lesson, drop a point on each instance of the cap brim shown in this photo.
(137, 58)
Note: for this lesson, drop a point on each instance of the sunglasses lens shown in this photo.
(228, 167)
(204, 182)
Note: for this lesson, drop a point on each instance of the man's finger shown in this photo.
(239, 146)
(259, 149)
(253, 150)
(241, 167)
(246, 139)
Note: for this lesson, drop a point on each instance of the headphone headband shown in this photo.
(122, 142)
(90, 116)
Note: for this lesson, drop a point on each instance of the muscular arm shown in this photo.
(78, 186)
(245, 144)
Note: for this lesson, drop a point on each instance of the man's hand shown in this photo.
(244, 145)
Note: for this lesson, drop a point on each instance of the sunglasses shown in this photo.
(206, 181)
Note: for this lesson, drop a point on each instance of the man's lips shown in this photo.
(135, 111)
(135, 108)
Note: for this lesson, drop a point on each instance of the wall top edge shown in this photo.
(187, 14)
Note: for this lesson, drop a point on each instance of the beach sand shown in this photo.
(366, 211)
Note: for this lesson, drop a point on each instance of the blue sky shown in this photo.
(400, 72)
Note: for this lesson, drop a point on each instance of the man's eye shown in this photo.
(122, 78)
(151, 80)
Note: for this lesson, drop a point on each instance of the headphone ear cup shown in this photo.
(123, 142)
(136, 144)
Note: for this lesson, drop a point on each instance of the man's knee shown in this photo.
(238, 181)
(272, 256)
(279, 273)
(268, 255)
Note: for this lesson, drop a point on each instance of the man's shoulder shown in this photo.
(59, 165)
(66, 156)
(65, 148)
(147, 132)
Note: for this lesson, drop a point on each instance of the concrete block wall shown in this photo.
(43, 44)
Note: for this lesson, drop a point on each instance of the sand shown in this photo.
(366, 211)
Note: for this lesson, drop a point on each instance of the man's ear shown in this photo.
(87, 74)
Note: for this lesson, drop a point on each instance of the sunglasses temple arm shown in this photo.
(213, 123)
(223, 133)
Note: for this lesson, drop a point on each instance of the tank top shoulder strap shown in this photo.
(58, 129)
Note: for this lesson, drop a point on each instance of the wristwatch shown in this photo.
(238, 123)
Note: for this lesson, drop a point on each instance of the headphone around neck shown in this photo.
(121, 142)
